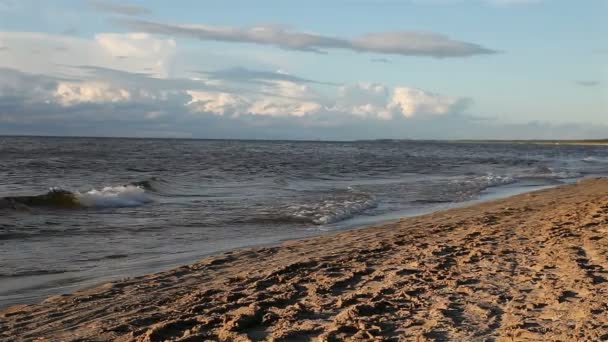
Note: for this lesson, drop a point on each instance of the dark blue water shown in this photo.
(141, 205)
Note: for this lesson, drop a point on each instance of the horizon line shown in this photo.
(600, 140)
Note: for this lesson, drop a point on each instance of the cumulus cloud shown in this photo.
(377, 100)
(103, 87)
(406, 43)
(277, 98)
(116, 103)
(70, 93)
(362, 100)
(118, 8)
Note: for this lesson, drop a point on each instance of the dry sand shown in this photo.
(533, 267)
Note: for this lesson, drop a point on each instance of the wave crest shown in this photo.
(332, 210)
(107, 197)
(114, 197)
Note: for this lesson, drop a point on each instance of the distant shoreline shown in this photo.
(540, 142)
(463, 141)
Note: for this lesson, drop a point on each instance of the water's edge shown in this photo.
(172, 261)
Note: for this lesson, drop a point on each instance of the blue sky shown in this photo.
(342, 69)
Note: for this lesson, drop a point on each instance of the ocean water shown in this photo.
(78, 211)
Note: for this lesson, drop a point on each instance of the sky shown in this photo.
(329, 70)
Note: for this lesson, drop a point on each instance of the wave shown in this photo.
(113, 197)
(591, 159)
(152, 184)
(331, 208)
(480, 183)
(343, 211)
(107, 197)
(459, 190)
(491, 180)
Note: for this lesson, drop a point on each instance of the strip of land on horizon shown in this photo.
(530, 267)
(544, 142)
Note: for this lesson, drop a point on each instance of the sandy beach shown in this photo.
(526, 268)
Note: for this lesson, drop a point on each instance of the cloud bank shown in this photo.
(124, 84)
(274, 98)
(107, 102)
(405, 43)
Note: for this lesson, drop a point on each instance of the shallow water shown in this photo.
(147, 204)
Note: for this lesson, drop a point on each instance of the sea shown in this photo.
(75, 212)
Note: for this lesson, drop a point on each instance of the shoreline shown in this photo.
(173, 261)
(586, 142)
(533, 266)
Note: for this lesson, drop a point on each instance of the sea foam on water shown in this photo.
(113, 197)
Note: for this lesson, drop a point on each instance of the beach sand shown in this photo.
(533, 267)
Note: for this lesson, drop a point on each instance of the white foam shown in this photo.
(486, 181)
(114, 197)
(333, 210)
(591, 159)
(344, 211)
(491, 179)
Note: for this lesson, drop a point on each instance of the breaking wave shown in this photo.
(491, 180)
(113, 197)
(107, 197)
(315, 210)
(595, 160)
(474, 185)
(330, 211)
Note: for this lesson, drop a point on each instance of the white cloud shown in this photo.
(37, 104)
(111, 77)
(44, 53)
(270, 99)
(108, 70)
(71, 93)
(368, 100)
(410, 102)
(217, 103)
(377, 100)
(289, 99)
(365, 99)
(157, 53)
(407, 43)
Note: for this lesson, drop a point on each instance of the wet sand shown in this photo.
(530, 267)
